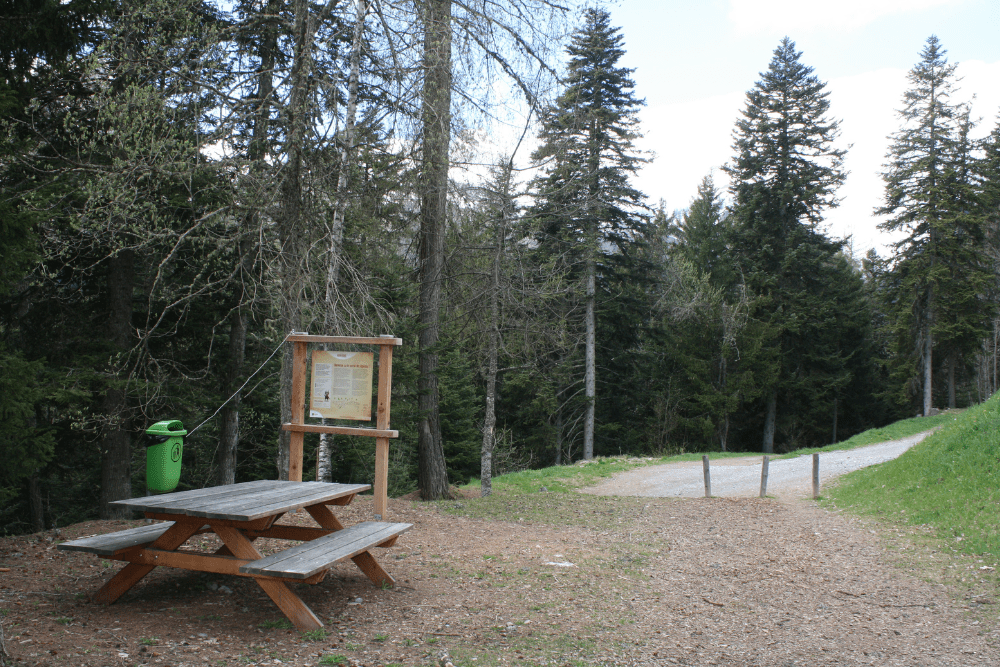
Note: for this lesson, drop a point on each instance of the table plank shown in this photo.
(263, 505)
(305, 560)
(194, 495)
(245, 501)
(111, 543)
(195, 506)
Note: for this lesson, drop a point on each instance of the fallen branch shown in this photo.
(888, 606)
(717, 604)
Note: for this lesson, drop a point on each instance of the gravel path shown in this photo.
(740, 478)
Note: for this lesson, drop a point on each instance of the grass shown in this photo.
(949, 483)
(561, 479)
(281, 624)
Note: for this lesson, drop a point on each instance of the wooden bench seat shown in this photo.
(114, 543)
(309, 558)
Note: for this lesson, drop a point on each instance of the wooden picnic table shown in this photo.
(239, 514)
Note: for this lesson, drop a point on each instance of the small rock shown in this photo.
(212, 586)
(226, 589)
(543, 489)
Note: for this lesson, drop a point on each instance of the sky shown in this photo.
(695, 60)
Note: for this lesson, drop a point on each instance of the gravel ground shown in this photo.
(740, 478)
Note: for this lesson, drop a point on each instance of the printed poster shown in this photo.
(342, 385)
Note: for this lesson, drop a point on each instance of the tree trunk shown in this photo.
(996, 353)
(324, 465)
(291, 218)
(590, 372)
(35, 503)
(432, 473)
(324, 462)
(834, 440)
(723, 378)
(343, 169)
(772, 408)
(724, 432)
(928, 349)
(951, 381)
(116, 443)
(229, 433)
(493, 345)
(559, 438)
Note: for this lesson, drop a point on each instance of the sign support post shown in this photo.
(382, 432)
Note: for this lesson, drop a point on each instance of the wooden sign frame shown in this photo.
(381, 432)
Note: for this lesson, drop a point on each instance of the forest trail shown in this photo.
(788, 479)
(561, 579)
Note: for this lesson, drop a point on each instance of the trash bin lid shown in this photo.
(167, 427)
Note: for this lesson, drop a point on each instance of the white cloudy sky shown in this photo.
(695, 59)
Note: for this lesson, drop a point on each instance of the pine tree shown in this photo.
(784, 174)
(703, 232)
(930, 195)
(587, 211)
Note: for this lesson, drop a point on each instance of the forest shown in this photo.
(184, 183)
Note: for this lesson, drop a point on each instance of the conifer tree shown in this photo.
(784, 174)
(588, 212)
(930, 196)
(703, 232)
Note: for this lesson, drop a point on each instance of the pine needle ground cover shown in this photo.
(949, 483)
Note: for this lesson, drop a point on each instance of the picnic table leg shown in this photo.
(367, 564)
(130, 575)
(224, 550)
(288, 602)
(324, 517)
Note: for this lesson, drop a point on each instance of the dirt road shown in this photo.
(740, 478)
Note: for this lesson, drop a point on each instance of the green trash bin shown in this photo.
(164, 447)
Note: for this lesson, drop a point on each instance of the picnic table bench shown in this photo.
(239, 514)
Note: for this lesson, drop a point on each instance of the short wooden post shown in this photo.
(763, 476)
(708, 477)
(298, 406)
(815, 476)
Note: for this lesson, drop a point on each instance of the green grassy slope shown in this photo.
(949, 482)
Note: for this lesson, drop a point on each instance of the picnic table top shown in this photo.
(245, 501)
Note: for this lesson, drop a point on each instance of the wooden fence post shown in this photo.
(815, 476)
(763, 476)
(708, 477)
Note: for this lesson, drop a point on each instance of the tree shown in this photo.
(515, 41)
(784, 174)
(432, 477)
(928, 195)
(705, 307)
(589, 215)
(989, 200)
